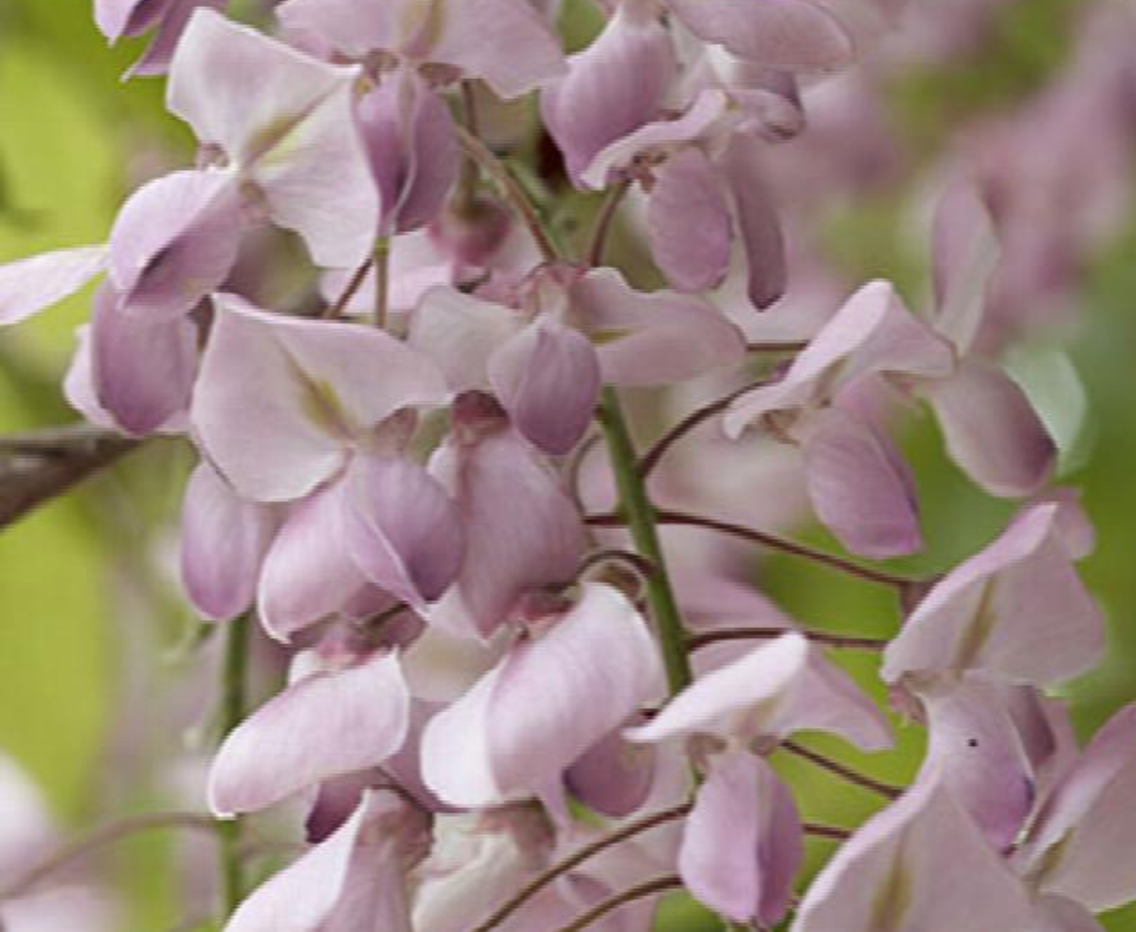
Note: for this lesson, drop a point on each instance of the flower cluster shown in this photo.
(506, 707)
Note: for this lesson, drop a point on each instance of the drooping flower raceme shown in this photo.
(503, 710)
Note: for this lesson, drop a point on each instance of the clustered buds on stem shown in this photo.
(495, 718)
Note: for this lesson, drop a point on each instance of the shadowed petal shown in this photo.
(223, 541)
(628, 66)
(689, 223)
(548, 378)
(143, 370)
(856, 486)
(402, 530)
(742, 843)
(991, 429)
(175, 241)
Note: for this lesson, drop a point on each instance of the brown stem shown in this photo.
(826, 831)
(522, 896)
(650, 888)
(41, 465)
(841, 770)
(681, 519)
(651, 458)
(102, 836)
(597, 243)
(790, 346)
(475, 149)
(820, 637)
(352, 289)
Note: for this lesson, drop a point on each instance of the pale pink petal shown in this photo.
(974, 743)
(223, 541)
(358, 871)
(354, 27)
(743, 173)
(29, 286)
(855, 487)
(460, 333)
(791, 34)
(652, 338)
(503, 42)
(662, 136)
(552, 697)
(965, 251)
(689, 222)
(991, 429)
(1058, 914)
(548, 378)
(402, 530)
(307, 573)
(280, 398)
(143, 370)
(175, 241)
(734, 700)
(872, 333)
(523, 532)
(286, 121)
(1081, 846)
(742, 843)
(921, 865)
(241, 90)
(325, 725)
(828, 699)
(629, 67)
(1017, 611)
(116, 18)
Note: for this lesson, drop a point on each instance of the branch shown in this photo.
(651, 458)
(681, 519)
(475, 149)
(848, 642)
(38, 466)
(522, 896)
(844, 772)
(102, 836)
(650, 888)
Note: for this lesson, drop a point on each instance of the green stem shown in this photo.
(233, 673)
(640, 515)
(382, 281)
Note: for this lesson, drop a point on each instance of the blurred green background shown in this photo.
(90, 611)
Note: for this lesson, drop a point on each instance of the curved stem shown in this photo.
(651, 458)
(848, 642)
(681, 519)
(353, 285)
(475, 149)
(641, 521)
(650, 888)
(108, 834)
(842, 771)
(234, 671)
(602, 228)
(522, 896)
